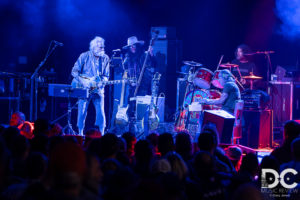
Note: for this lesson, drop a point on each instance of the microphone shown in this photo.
(58, 43)
(116, 50)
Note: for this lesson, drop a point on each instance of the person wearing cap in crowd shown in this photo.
(133, 63)
(89, 70)
(230, 93)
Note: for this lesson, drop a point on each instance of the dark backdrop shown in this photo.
(207, 29)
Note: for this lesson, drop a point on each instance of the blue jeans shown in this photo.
(83, 104)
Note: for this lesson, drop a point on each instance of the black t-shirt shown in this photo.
(233, 94)
(245, 68)
(134, 64)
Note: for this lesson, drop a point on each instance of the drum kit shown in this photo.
(199, 81)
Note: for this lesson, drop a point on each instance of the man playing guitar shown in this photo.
(90, 69)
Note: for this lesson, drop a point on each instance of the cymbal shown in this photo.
(259, 52)
(252, 77)
(10, 74)
(228, 65)
(184, 73)
(192, 63)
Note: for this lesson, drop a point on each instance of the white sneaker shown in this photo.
(80, 133)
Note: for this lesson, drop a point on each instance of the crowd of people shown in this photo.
(50, 165)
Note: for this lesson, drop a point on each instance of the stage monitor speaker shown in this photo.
(257, 128)
(281, 94)
(223, 121)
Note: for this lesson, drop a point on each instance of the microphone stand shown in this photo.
(34, 85)
(111, 110)
(267, 54)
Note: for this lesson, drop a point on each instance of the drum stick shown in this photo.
(238, 82)
(220, 62)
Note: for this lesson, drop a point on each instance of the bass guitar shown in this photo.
(138, 83)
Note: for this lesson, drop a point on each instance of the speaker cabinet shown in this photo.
(257, 128)
(45, 104)
(181, 87)
(168, 55)
(296, 100)
(281, 94)
(223, 121)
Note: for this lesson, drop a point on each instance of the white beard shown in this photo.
(98, 52)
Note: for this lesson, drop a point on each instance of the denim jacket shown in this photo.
(86, 65)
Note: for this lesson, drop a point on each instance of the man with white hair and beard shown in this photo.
(89, 70)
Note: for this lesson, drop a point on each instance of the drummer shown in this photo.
(245, 65)
(229, 95)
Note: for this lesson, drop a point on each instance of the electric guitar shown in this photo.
(93, 83)
(121, 116)
(153, 118)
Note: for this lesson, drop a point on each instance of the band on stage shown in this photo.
(205, 89)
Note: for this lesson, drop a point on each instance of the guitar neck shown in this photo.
(112, 82)
(153, 94)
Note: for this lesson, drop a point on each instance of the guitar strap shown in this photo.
(100, 69)
(81, 69)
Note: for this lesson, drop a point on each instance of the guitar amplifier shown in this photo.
(251, 101)
(281, 101)
(255, 99)
(142, 102)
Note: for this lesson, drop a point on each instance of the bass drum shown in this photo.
(195, 96)
(203, 78)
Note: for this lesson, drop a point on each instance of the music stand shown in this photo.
(62, 90)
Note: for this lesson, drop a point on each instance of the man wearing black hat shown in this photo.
(133, 63)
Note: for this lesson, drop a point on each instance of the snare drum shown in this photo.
(203, 78)
(214, 94)
(216, 79)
